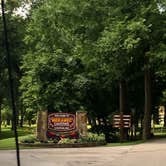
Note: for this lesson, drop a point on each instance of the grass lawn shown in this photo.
(7, 140)
(7, 144)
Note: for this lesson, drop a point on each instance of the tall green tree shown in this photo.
(131, 40)
(78, 50)
(15, 30)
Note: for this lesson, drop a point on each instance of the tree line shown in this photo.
(104, 57)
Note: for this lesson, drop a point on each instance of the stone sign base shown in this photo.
(81, 123)
(41, 126)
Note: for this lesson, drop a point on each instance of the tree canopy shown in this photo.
(71, 55)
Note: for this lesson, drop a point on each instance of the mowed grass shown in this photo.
(7, 139)
(6, 144)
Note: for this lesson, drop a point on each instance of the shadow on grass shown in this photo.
(8, 133)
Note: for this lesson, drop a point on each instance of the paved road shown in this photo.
(152, 153)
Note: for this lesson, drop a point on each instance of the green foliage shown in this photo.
(16, 32)
(8, 133)
(76, 56)
(7, 140)
(6, 114)
(54, 82)
(71, 55)
(61, 69)
(67, 141)
(28, 139)
(90, 138)
(30, 116)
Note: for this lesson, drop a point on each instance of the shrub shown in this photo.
(67, 141)
(91, 137)
(28, 139)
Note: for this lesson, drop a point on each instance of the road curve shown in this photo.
(152, 153)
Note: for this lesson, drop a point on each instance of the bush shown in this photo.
(28, 139)
(91, 137)
(109, 132)
(67, 141)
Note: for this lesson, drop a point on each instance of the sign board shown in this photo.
(122, 121)
(161, 115)
(61, 122)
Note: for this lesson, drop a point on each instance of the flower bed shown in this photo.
(53, 145)
(62, 142)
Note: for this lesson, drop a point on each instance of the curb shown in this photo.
(53, 145)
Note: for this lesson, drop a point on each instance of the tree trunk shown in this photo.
(148, 105)
(29, 122)
(12, 123)
(106, 131)
(8, 122)
(122, 105)
(0, 117)
(22, 117)
(41, 129)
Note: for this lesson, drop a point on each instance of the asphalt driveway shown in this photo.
(152, 153)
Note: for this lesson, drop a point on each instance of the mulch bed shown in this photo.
(53, 145)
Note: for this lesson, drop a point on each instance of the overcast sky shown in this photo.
(23, 11)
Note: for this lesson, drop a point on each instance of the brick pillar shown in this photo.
(41, 125)
(81, 123)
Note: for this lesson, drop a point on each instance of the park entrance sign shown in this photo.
(51, 124)
(61, 122)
